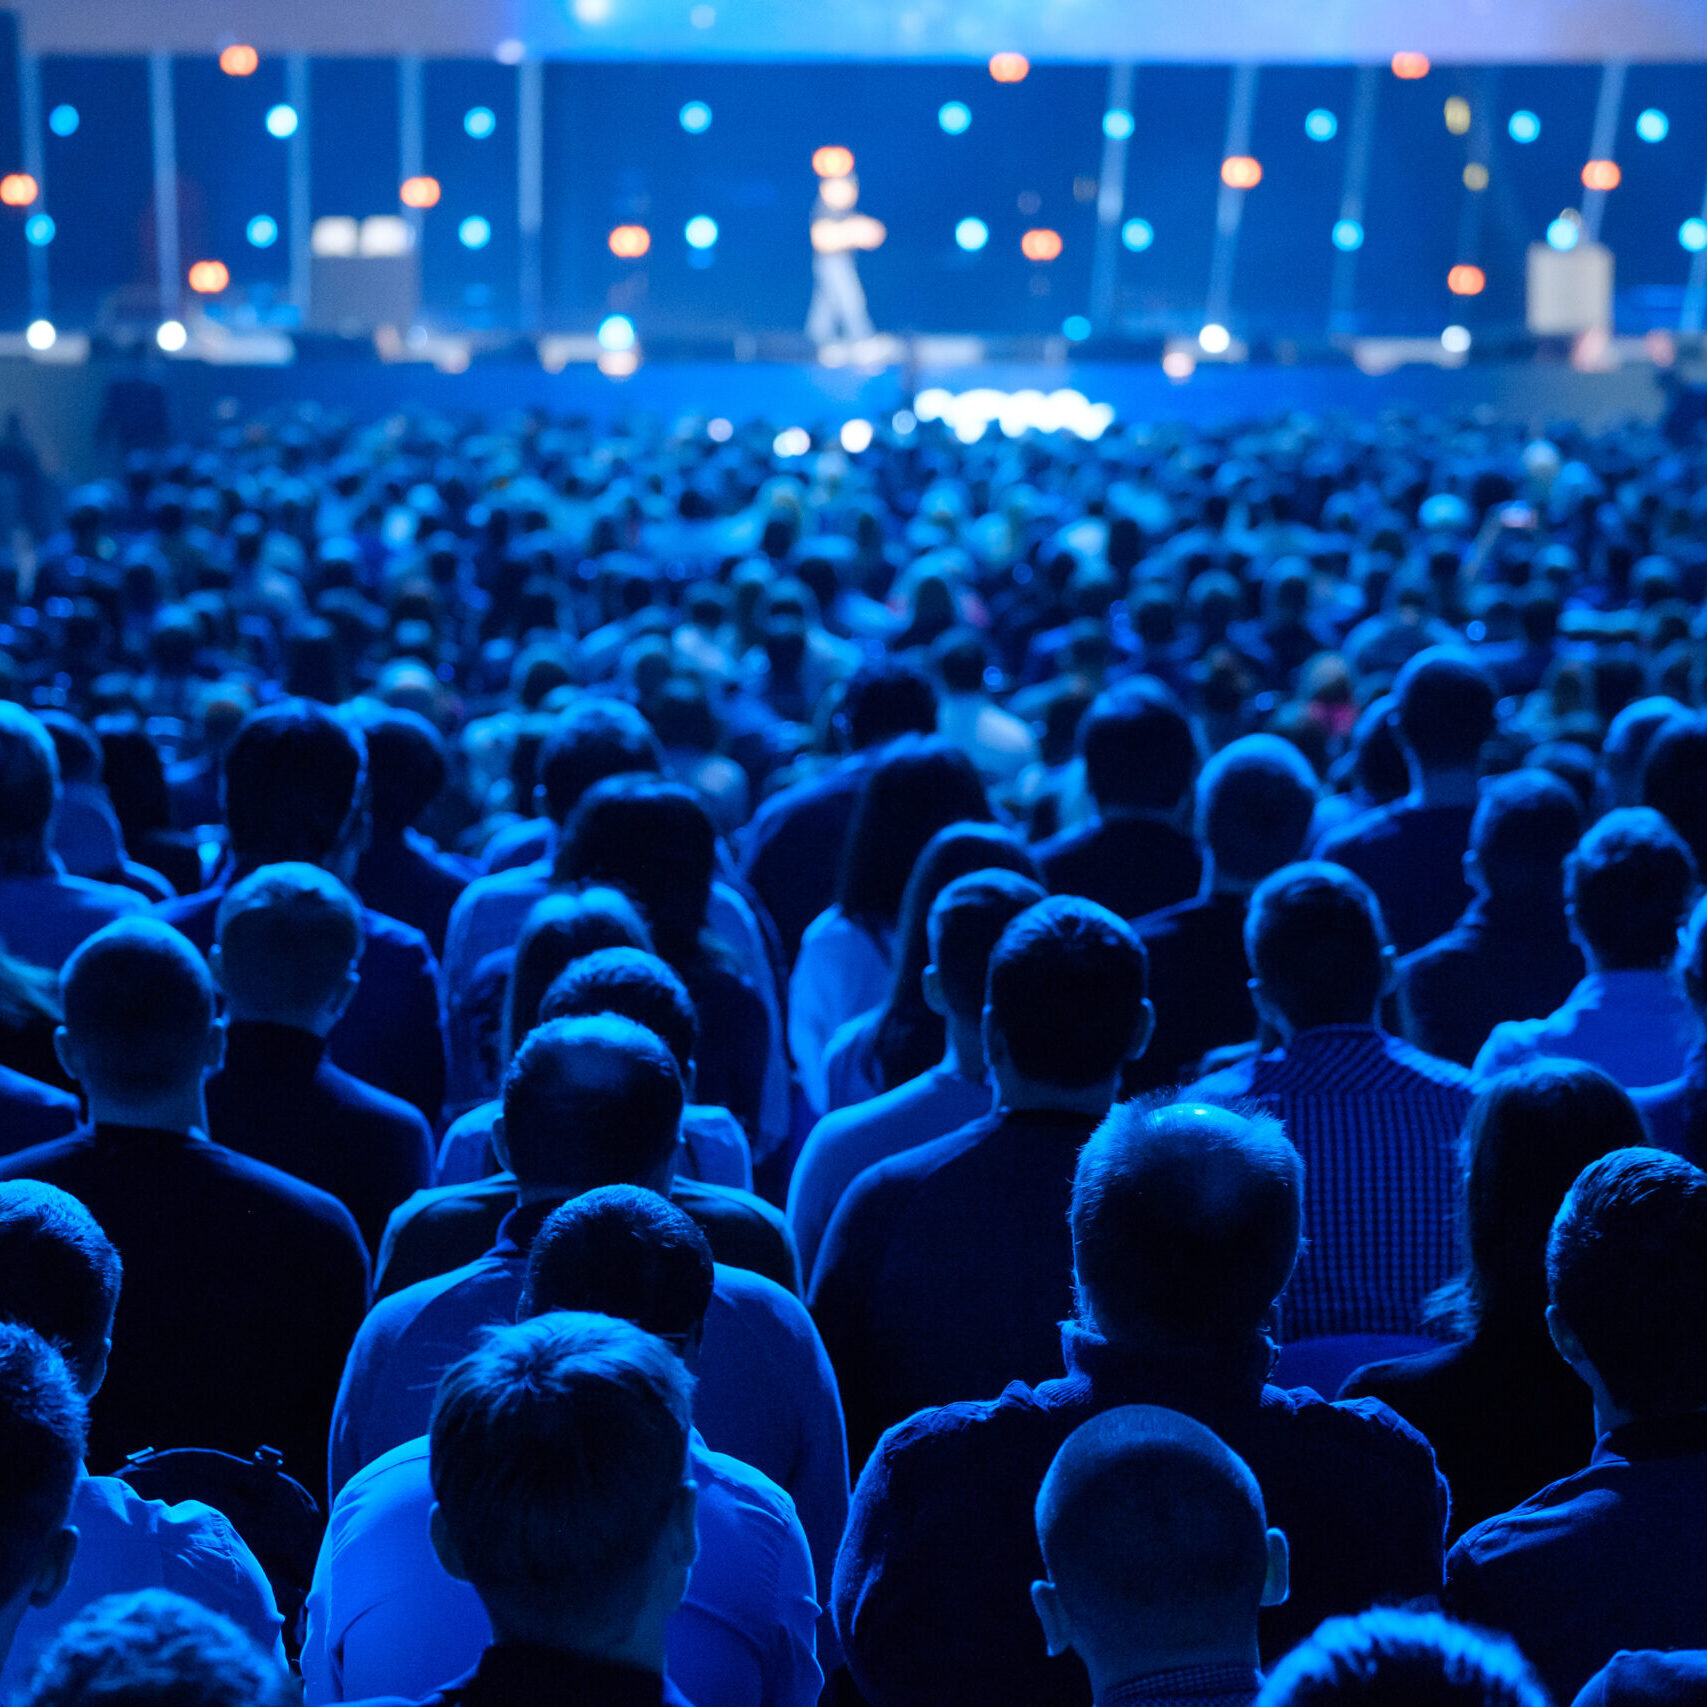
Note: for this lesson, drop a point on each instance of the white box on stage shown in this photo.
(1570, 290)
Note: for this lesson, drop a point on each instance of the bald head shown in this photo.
(1186, 1221)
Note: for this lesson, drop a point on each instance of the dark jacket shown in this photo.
(1132, 865)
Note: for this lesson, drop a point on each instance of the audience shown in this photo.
(1676, 1111)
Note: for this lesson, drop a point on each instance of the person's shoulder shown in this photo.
(383, 931)
(395, 1475)
(307, 1205)
(1356, 832)
(1510, 1042)
(1226, 1083)
(43, 1161)
(897, 1177)
(1648, 1678)
(830, 926)
(1545, 1516)
(1063, 843)
(1366, 1431)
(1169, 921)
(106, 1507)
(18, 1090)
(1401, 1375)
(924, 1444)
(398, 1313)
(1436, 1070)
(757, 1299)
(492, 885)
(113, 898)
(758, 1499)
(357, 1096)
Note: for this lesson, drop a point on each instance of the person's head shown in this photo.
(1390, 1658)
(294, 787)
(59, 1274)
(1317, 948)
(1255, 799)
(590, 1102)
(967, 920)
(556, 933)
(1139, 748)
(1627, 1280)
(1157, 1548)
(1629, 883)
(1443, 709)
(559, 1460)
(1625, 749)
(1674, 778)
(883, 700)
(43, 1424)
(1186, 1223)
(919, 786)
(29, 788)
(289, 939)
(626, 1252)
(139, 1029)
(1526, 825)
(595, 739)
(407, 767)
(636, 985)
(959, 657)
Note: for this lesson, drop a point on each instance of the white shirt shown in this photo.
(841, 971)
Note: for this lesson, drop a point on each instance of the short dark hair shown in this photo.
(967, 920)
(29, 778)
(556, 933)
(557, 1450)
(407, 766)
(1255, 800)
(1629, 882)
(622, 1251)
(1068, 980)
(591, 1101)
(886, 698)
(1674, 778)
(1315, 937)
(1139, 747)
(1186, 1221)
(1444, 707)
(1389, 1658)
(1526, 825)
(1146, 1517)
(154, 1648)
(139, 1006)
(293, 783)
(43, 1422)
(595, 739)
(630, 982)
(288, 934)
(59, 1272)
(1627, 1269)
(960, 657)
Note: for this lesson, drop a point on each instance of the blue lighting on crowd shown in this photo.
(63, 120)
(480, 122)
(39, 229)
(1692, 234)
(262, 231)
(281, 120)
(1320, 125)
(954, 117)
(700, 231)
(1348, 235)
(971, 235)
(695, 117)
(616, 332)
(1137, 234)
(1523, 126)
(474, 232)
(1564, 234)
(1117, 124)
(1652, 125)
(1076, 328)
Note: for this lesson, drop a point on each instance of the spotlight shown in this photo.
(1009, 67)
(510, 51)
(856, 436)
(1523, 126)
(262, 231)
(209, 278)
(1564, 233)
(1179, 365)
(1118, 124)
(239, 61)
(480, 122)
(1457, 114)
(39, 229)
(792, 441)
(171, 336)
(419, 193)
(1475, 176)
(1692, 234)
(1075, 328)
(1652, 125)
(474, 232)
(1410, 66)
(702, 17)
(616, 332)
(1137, 234)
(700, 231)
(1040, 244)
(904, 421)
(1214, 339)
(1348, 235)
(1602, 175)
(64, 120)
(282, 120)
(719, 430)
(18, 189)
(1241, 172)
(1466, 280)
(629, 242)
(832, 162)
(41, 335)
(1320, 125)
(1455, 340)
(972, 234)
(695, 118)
(954, 117)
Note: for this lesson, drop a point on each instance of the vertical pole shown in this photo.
(1230, 204)
(530, 188)
(165, 137)
(1606, 112)
(1111, 204)
(300, 213)
(411, 135)
(1343, 299)
(35, 163)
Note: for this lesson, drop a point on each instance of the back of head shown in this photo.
(293, 783)
(626, 1252)
(289, 937)
(634, 984)
(1525, 827)
(1139, 747)
(59, 1273)
(1627, 1269)
(1445, 708)
(1151, 1527)
(1674, 778)
(154, 1648)
(43, 1422)
(74, 745)
(593, 740)
(138, 1007)
(1186, 1221)
(1067, 988)
(1255, 799)
(559, 930)
(1628, 737)
(29, 786)
(1315, 938)
(1630, 881)
(407, 767)
(1389, 1658)
(558, 1451)
(591, 1102)
(960, 658)
(885, 699)
(966, 922)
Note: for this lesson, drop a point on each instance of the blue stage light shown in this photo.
(971, 234)
(474, 232)
(39, 229)
(695, 117)
(616, 332)
(700, 231)
(954, 117)
(1692, 234)
(1117, 124)
(63, 120)
(480, 122)
(1348, 235)
(1320, 125)
(1075, 328)
(1137, 234)
(281, 120)
(1523, 126)
(262, 231)
(1652, 125)
(1564, 234)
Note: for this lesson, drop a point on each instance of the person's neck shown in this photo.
(183, 1111)
(964, 1056)
(1595, 967)
(1020, 1095)
(1218, 883)
(642, 1645)
(317, 1025)
(1455, 787)
(1129, 1661)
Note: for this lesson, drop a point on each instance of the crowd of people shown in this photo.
(1006, 1071)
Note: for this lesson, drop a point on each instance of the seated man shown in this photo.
(59, 1274)
(946, 1270)
(1628, 886)
(1411, 852)
(243, 1286)
(290, 938)
(1610, 1558)
(1511, 956)
(294, 787)
(1185, 1229)
(385, 1619)
(1159, 1555)
(587, 1103)
(1375, 1120)
(966, 922)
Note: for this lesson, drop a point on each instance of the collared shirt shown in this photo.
(528, 1674)
(1377, 1124)
(1638, 1026)
(1198, 1686)
(385, 1618)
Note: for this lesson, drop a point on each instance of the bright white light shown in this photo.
(1179, 365)
(972, 234)
(904, 421)
(1214, 339)
(1075, 328)
(171, 336)
(1320, 125)
(1348, 235)
(971, 412)
(1455, 340)
(792, 441)
(1564, 233)
(262, 231)
(1692, 234)
(954, 117)
(41, 335)
(718, 430)
(1652, 125)
(479, 122)
(510, 51)
(474, 232)
(856, 436)
(1523, 126)
(39, 229)
(702, 17)
(700, 231)
(1137, 235)
(281, 120)
(1117, 124)
(695, 117)
(591, 11)
(63, 120)
(616, 332)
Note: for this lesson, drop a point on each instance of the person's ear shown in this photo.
(1143, 1031)
(439, 1534)
(340, 1003)
(69, 1055)
(54, 1569)
(995, 1045)
(215, 1057)
(216, 967)
(682, 1531)
(97, 1373)
(930, 982)
(500, 1148)
(1565, 1341)
(1277, 1583)
(1057, 1630)
(1389, 971)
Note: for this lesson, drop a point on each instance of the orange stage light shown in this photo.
(832, 162)
(1241, 172)
(18, 189)
(1040, 244)
(419, 192)
(1410, 66)
(1009, 67)
(630, 242)
(1602, 175)
(239, 61)
(1465, 280)
(209, 278)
